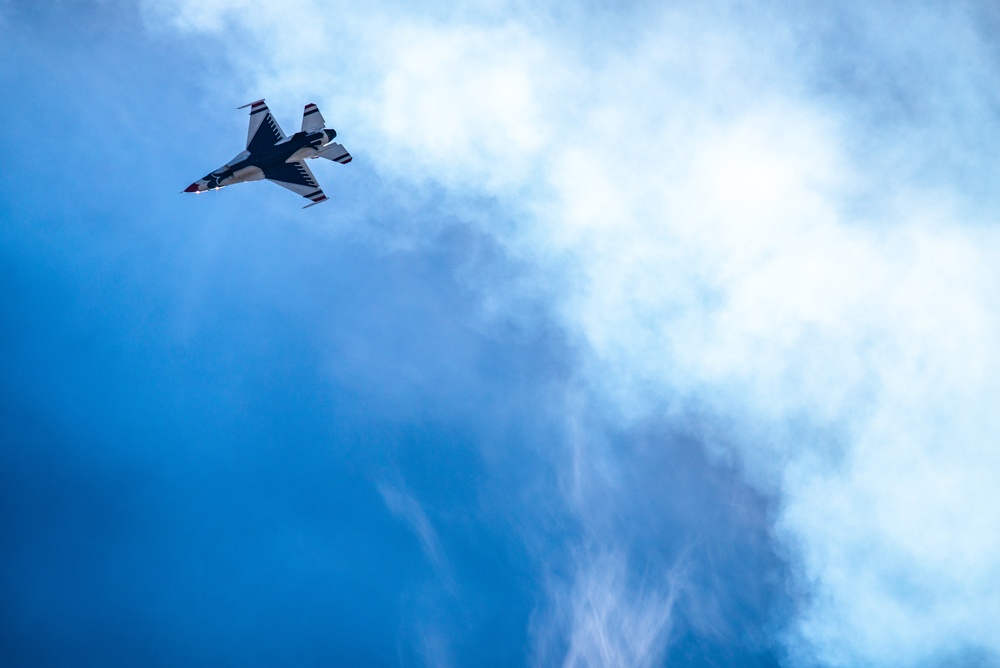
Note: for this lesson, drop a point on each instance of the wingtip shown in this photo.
(325, 199)
(250, 104)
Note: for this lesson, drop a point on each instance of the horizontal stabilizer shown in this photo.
(335, 152)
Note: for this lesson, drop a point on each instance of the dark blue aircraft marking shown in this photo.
(289, 173)
(267, 135)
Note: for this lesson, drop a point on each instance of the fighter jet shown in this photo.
(273, 156)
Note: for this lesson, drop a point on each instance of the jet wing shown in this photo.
(264, 132)
(298, 178)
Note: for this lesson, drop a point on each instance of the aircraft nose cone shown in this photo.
(193, 188)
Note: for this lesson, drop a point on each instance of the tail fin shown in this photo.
(312, 120)
(335, 152)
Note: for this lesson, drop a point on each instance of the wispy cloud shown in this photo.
(405, 506)
(733, 218)
(603, 617)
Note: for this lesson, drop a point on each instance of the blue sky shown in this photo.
(645, 334)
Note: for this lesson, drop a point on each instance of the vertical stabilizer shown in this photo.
(312, 120)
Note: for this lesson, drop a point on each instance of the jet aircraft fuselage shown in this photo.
(252, 165)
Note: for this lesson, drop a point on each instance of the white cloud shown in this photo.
(405, 506)
(600, 618)
(716, 238)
